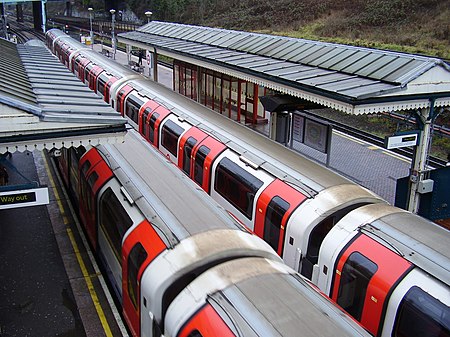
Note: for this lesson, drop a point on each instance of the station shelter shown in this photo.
(232, 71)
(231, 96)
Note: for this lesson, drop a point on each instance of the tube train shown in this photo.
(181, 265)
(388, 268)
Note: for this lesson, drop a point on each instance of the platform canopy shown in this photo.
(351, 79)
(44, 106)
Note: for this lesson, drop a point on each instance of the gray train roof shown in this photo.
(161, 189)
(420, 241)
(352, 79)
(297, 306)
(43, 105)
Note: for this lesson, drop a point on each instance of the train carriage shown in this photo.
(294, 204)
(159, 235)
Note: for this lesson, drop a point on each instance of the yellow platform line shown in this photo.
(87, 278)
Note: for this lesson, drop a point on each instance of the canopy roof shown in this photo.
(352, 79)
(43, 105)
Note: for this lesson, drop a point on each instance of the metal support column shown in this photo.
(44, 17)
(425, 118)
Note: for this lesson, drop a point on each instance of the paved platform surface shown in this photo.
(48, 285)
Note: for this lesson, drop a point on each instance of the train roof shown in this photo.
(288, 303)
(418, 240)
(161, 190)
(258, 297)
(283, 163)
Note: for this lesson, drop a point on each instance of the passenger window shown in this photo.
(133, 105)
(237, 186)
(114, 221)
(151, 129)
(200, 157)
(276, 210)
(195, 333)
(102, 83)
(355, 278)
(92, 179)
(187, 151)
(420, 314)
(169, 136)
(135, 260)
(85, 167)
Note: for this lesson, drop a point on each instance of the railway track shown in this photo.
(24, 32)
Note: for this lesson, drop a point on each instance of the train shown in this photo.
(179, 263)
(387, 267)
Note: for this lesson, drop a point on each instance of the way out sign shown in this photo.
(24, 198)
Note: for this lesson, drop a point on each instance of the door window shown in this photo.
(355, 278)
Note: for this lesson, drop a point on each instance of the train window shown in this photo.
(169, 136)
(276, 210)
(85, 167)
(195, 333)
(102, 80)
(420, 314)
(92, 179)
(133, 105)
(135, 260)
(114, 221)
(151, 129)
(237, 186)
(187, 151)
(355, 278)
(200, 157)
(87, 71)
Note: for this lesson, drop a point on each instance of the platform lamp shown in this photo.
(113, 37)
(148, 14)
(90, 9)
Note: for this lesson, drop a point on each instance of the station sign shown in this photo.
(402, 140)
(24, 198)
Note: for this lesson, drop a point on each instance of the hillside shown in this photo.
(415, 26)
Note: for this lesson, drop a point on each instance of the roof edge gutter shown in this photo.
(21, 105)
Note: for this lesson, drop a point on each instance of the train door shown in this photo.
(93, 77)
(154, 121)
(187, 143)
(107, 94)
(87, 74)
(203, 155)
(144, 117)
(121, 96)
(273, 212)
(365, 275)
(94, 173)
(139, 248)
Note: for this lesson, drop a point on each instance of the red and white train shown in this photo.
(180, 264)
(388, 268)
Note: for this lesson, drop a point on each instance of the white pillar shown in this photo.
(44, 17)
(418, 167)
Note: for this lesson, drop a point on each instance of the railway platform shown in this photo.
(49, 283)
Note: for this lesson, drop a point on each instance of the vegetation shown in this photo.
(414, 26)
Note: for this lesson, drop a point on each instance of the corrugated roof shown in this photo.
(313, 70)
(43, 105)
(375, 64)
